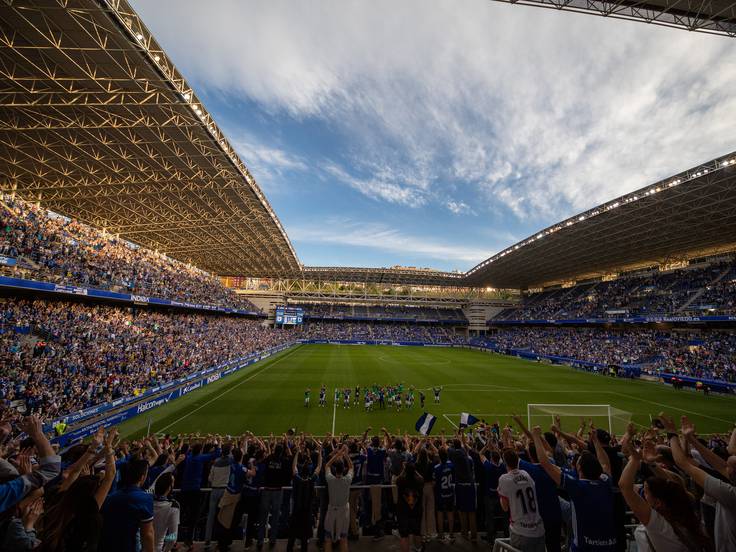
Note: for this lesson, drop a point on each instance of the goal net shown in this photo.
(604, 416)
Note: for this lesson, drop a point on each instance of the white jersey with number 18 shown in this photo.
(518, 488)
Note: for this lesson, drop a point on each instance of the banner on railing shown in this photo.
(616, 320)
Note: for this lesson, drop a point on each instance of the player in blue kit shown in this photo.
(322, 395)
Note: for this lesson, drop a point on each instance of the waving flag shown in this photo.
(467, 420)
(424, 423)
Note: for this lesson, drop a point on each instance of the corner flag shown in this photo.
(424, 423)
(467, 420)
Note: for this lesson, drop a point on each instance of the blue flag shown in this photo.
(424, 423)
(467, 420)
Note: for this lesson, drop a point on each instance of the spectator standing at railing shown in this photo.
(591, 496)
(217, 480)
(518, 496)
(410, 487)
(358, 457)
(337, 520)
(166, 514)
(128, 513)
(425, 462)
(465, 492)
(375, 467)
(276, 475)
(190, 496)
(493, 469)
(302, 495)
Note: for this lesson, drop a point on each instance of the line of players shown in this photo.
(389, 396)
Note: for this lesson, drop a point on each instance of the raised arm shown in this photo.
(318, 469)
(715, 461)
(295, 464)
(732, 443)
(638, 505)
(600, 452)
(681, 459)
(553, 471)
(107, 480)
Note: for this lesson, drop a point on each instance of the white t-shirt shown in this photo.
(661, 535)
(518, 488)
(725, 527)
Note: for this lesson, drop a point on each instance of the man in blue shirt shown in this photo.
(128, 511)
(493, 468)
(591, 497)
(375, 467)
(444, 488)
(190, 497)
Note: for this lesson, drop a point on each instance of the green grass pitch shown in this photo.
(268, 397)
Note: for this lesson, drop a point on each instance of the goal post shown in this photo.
(604, 416)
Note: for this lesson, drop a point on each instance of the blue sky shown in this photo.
(438, 133)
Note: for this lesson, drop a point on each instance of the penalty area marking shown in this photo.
(226, 391)
(445, 416)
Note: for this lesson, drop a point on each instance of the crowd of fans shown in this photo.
(662, 488)
(60, 357)
(380, 331)
(52, 248)
(700, 290)
(380, 312)
(710, 354)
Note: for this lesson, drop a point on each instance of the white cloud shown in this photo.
(537, 111)
(379, 186)
(267, 162)
(458, 207)
(381, 237)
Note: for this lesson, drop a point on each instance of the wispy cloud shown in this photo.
(379, 186)
(341, 231)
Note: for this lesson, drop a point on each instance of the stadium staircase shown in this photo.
(701, 291)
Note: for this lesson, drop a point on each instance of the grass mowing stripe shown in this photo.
(226, 391)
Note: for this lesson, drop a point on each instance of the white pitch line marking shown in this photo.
(670, 406)
(334, 415)
(449, 420)
(227, 390)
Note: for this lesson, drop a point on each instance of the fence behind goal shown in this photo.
(604, 416)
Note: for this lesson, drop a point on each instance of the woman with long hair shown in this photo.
(666, 512)
(73, 522)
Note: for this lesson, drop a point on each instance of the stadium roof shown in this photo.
(706, 16)
(691, 213)
(98, 124)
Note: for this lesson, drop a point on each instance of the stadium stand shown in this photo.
(49, 247)
(381, 331)
(60, 357)
(709, 288)
(383, 312)
(702, 354)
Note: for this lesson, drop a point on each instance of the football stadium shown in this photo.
(185, 369)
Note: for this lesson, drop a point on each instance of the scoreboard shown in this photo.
(289, 315)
